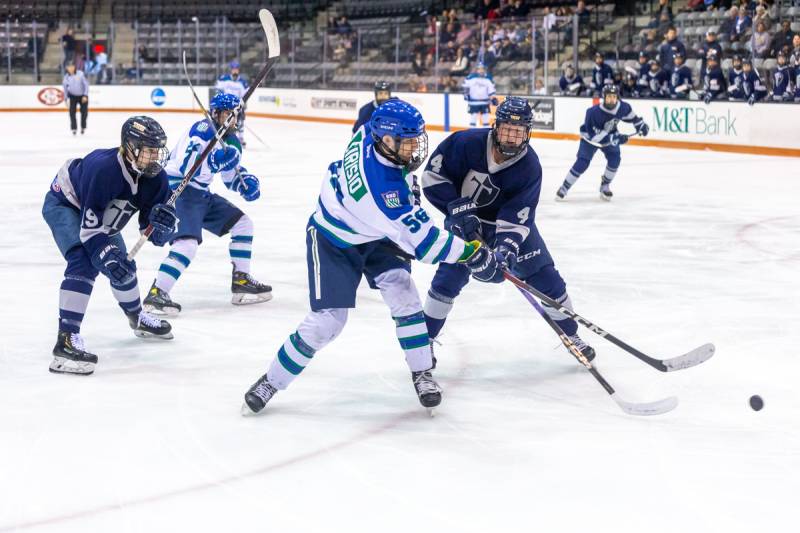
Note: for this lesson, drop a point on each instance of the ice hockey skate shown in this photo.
(428, 391)
(605, 190)
(247, 290)
(587, 351)
(561, 194)
(145, 325)
(70, 357)
(256, 398)
(158, 302)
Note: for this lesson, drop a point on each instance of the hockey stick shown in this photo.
(689, 359)
(259, 139)
(273, 51)
(639, 409)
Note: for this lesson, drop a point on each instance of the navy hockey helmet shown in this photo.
(404, 124)
(782, 56)
(643, 55)
(610, 90)
(678, 55)
(517, 112)
(143, 146)
(382, 87)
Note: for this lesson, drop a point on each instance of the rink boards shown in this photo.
(766, 129)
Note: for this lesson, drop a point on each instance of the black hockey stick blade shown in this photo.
(271, 31)
(689, 359)
(659, 407)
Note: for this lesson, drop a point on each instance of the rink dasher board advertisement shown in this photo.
(729, 126)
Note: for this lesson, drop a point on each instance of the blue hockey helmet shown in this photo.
(143, 146)
(223, 102)
(515, 111)
(234, 65)
(404, 124)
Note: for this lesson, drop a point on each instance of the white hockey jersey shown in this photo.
(189, 147)
(228, 85)
(367, 198)
(478, 90)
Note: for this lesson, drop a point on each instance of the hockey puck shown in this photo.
(756, 402)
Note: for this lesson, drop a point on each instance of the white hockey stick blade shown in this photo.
(658, 407)
(271, 31)
(693, 358)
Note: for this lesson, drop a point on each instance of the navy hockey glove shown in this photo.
(461, 219)
(248, 186)
(506, 252)
(114, 264)
(617, 139)
(494, 101)
(642, 128)
(164, 221)
(751, 100)
(483, 264)
(707, 98)
(226, 158)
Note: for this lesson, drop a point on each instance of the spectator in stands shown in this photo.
(343, 26)
(548, 19)
(782, 38)
(483, 7)
(671, 46)
(518, 9)
(101, 65)
(664, 7)
(761, 41)
(539, 89)
(76, 91)
(762, 16)
(418, 64)
(509, 50)
(664, 24)
(728, 25)
(709, 44)
(447, 34)
(461, 65)
(648, 43)
(144, 54)
(742, 26)
(68, 47)
(464, 34)
(794, 57)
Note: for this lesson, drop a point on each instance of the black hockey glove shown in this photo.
(114, 264)
(506, 252)
(707, 98)
(461, 219)
(483, 264)
(642, 128)
(164, 221)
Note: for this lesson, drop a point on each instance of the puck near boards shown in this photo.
(756, 403)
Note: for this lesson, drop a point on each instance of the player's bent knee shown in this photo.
(243, 226)
(321, 327)
(580, 166)
(79, 265)
(548, 281)
(399, 292)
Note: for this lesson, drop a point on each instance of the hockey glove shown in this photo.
(114, 264)
(642, 128)
(226, 158)
(751, 100)
(461, 219)
(617, 139)
(164, 221)
(482, 263)
(707, 98)
(248, 186)
(506, 252)
(494, 101)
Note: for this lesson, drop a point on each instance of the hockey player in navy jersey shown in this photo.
(199, 209)
(602, 75)
(657, 81)
(383, 92)
(237, 85)
(736, 79)
(714, 86)
(367, 223)
(89, 202)
(487, 183)
(571, 83)
(752, 86)
(782, 79)
(479, 92)
(680, 80)
(599, 131)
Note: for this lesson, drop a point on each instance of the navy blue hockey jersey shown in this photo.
(680, 82)
(100, 186)
(600, 123)
(601, 75)
(781, 82)
(364, 114)
(506, 194)
(714, 82)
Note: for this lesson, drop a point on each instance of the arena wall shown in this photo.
(765, 129)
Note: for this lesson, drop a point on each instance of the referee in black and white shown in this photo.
(76, 92)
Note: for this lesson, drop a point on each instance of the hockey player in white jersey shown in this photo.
(479, 92)
(367, 223)
(235, 84)
(199, 209)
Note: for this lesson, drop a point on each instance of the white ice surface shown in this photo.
(696, 247)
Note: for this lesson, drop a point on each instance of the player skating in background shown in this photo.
(235, 84)
(383, 92)
(479, 92)
(366, 211)
(89, 202)
(487, 183)
(599, 130)
(199, 209)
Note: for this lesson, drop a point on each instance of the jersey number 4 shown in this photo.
(415, 221)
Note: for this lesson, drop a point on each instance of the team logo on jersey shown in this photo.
(479, 188)
(391, 198)
(203, 126)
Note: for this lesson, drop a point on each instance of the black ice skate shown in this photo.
(158, 302)
(256, 398)
(246, 290)
(145, 325)
(428, 391)
(605, 190)
(587, 351)
(561, 194)
(69, 357)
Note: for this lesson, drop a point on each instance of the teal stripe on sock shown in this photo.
(242, 254)
(417, 341)
(180, 258)
(172, 271)
(287, 363)
(301, 346)
(242, 238)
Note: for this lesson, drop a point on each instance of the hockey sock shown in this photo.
(180, 255)
(412, 333)
(474, 119)
(570, 180)
(609, 174)
(292, 358)
(127, 296)
(72, 302)
(436, 309)
(241, 244)
(568, 325)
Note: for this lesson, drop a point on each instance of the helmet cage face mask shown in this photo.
(146, 160)
(516, 138)
(408, 158)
